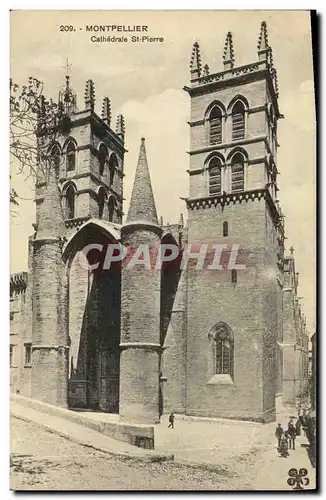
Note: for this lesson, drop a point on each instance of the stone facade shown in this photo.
(143, 341)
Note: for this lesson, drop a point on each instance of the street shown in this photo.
(41, 460)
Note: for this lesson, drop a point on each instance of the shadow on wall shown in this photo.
(94, 375)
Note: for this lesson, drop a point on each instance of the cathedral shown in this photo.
(141, 342)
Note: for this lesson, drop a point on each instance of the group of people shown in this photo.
(286, 438)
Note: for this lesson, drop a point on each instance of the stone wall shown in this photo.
(245, 306)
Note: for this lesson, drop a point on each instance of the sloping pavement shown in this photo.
(85, 436)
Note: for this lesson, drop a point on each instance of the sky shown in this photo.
(145, 83)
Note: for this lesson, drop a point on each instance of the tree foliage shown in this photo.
(34, 123)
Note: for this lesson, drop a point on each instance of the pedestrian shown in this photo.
(171, 420)
(284, 445)
(292, 435)
(279, 433)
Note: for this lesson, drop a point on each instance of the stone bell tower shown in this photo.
(232, 312)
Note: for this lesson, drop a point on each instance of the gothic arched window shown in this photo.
(70, 202)
(238, 121)
(223, 347)
(237, 168)
(102, 154)
(215, 176)
(101, 202)
(215, 126)
(71, 156)
(111, 207)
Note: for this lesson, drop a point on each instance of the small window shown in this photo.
(215, 126)
(238, 121)
(11, 355)
(234, 276)
(225, 228)
(71, 156)
(28, 354)
(70, 202)
(215, 178)
(102, 159)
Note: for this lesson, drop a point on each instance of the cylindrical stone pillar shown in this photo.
(140, 327)
(50, 350)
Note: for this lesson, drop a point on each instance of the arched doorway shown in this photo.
(94, 322)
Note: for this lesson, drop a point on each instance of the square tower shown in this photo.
(89, 157)
(232, 315)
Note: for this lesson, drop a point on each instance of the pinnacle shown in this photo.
(206, 70)
(195, 60)
(142, 205)
(228, 54)
(89, 96)
(106, 110)
(120, 127)
(263, 37)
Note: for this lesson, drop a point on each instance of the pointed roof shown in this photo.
(51, 221)
(228, 54)
(142, 206)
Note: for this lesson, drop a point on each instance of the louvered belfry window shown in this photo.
(215, 178)
(238, 121)
(237, 166)
(215, 126)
